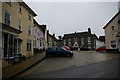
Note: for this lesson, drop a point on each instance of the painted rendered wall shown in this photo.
(111, 35)
(16, 15)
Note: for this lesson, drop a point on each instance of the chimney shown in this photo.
(89, 30)
(60, 37)
(47, 31)
(54, 34)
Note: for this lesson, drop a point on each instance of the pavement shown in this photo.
(13, 70)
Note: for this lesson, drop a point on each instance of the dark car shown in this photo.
(58, 51)
(74, 48)
(84, 48)
(100, 49)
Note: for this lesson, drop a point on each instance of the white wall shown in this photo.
(99, 44)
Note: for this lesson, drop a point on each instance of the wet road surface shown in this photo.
(81, 65)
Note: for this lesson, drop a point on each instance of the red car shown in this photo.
(102, 48)
(66, 47)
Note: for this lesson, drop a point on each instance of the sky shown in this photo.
(67, 17)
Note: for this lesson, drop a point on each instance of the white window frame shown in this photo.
(64, 42)
(69, 41)
(6, 12)
(113, 42)
(82, 41)
(20, 24)
(89, 39)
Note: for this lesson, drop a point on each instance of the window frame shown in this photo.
(29, 16)
(29, 30)
(8, 20)
(20, 24)
(20, 8)
(29, 45)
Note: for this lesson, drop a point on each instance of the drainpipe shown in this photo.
(8, 48)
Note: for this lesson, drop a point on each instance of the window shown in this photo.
(29, 16)
(7, 18)
(38, 34)
(82, 40)
(69, 41)
(112, 28)
(20, 8)
(20, 25)
(89, 39)
(89, 45)
(113, 44)
(64, 42)
(29, 45)
(29, 30)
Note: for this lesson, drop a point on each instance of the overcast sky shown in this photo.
(67, 17)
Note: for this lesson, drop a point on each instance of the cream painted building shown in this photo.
(112, 28)
(18, 29)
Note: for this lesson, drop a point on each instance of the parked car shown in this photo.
(102, 48)
(74, 48)
(84, 48)
(58, 51)
(66, 47)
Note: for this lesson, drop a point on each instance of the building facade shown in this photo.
(82, 39)
(38, 38)
(51, 40)
(112, 30)
(44, 30)
(18, 29)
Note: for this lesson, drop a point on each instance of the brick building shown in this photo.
(80, 39)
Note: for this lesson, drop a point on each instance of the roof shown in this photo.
(28, 8)
(39, 26)
(102, 38)
(75, 34)
(111, 19)
(43, 28)
(53, 37)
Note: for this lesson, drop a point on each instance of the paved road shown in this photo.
(105, 69)
(82, 65)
